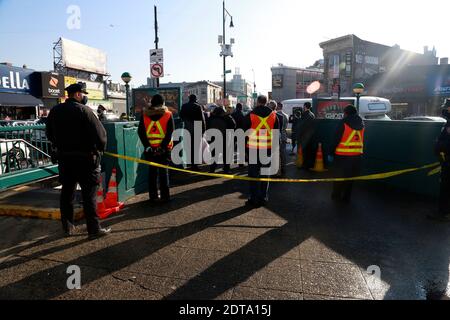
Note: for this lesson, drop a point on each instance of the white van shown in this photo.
(370, 108)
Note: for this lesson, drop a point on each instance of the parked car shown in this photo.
(370, 108)
(426, 118)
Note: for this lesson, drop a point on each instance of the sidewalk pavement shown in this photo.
(207, 244)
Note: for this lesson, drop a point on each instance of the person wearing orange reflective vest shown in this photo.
(155, 132)
(262, 121)
(349, 150)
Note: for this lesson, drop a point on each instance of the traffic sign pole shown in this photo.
(156, 38)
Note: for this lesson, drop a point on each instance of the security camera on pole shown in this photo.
(226, 49)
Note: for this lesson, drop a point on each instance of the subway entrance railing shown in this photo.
(25, 156)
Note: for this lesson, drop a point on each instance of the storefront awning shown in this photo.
(19, 100)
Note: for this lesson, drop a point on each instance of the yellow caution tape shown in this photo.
(377, 176)
(435, 171)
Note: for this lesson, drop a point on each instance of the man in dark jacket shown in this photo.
(305, 131)
(79, 139)
(191, 113)
(155, 132)
(281, 123)
(294, 119)
(238, 116)
(239, 119)
(284, 137)
(101, 112)
(349, 149)
(259, 191)
(222, 121)
(443, 152)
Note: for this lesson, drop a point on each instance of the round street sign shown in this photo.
(157, 70)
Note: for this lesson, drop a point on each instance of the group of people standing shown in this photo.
(79, 139)
(156, 128)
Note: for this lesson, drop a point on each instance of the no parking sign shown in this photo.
(157, 70)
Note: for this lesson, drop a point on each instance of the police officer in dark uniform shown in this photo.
(443, 151)
(78, 139)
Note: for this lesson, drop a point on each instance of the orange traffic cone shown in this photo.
(112, 197)
(319, 166)
(300, 161)
(102, 211)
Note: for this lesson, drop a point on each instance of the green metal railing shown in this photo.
(25, 155)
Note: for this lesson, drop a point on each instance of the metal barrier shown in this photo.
(25, 154)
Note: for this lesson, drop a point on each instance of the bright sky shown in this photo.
(267, 32)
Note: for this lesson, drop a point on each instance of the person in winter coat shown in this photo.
(305, 131)
(192, 113)
(222, 121)
(78, 139)
(349, 149)
(261, 121)
(155, 132)
(238, 116)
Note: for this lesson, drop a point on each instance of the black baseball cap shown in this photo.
(77, 87)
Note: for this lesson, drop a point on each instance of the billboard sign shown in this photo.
(81, 57)
(96, 90)
(51, 85)
(331, 109)
(15, 80)
(142, 98)
(67, 82)
(439, 85)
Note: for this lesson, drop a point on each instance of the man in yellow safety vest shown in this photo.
(155, 132)
(261, 121)
(349, 150)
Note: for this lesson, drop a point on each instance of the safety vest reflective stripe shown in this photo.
(261, 144)
(352, 143)
(359, 151)
(156, 130)
(261, 135)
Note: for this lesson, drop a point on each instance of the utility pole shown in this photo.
(254, 81)
(224, 57)
(156, 38)
(226, 50)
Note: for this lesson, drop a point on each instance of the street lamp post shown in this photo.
(358, 89)
(224, 53)
(126, 77)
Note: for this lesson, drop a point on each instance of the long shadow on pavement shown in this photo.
(377, 229)
(413, 255)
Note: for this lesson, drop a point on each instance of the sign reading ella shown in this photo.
(15, 80)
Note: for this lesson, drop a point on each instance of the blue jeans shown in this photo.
(259, 191)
